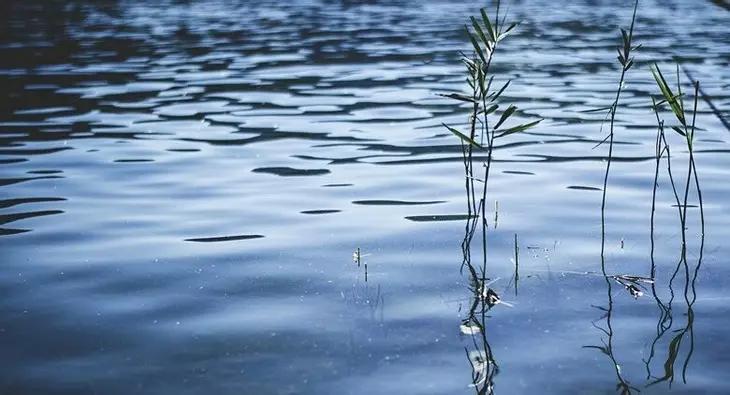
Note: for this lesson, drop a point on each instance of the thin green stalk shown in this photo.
(626, 62)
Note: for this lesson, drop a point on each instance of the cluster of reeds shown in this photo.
(674, 100)
(488, 123)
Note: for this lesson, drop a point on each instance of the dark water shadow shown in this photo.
(290, 171)
(438, 218)
(216, 239)
(316, 212)
(396, 202)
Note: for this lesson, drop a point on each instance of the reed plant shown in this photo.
(686, 128)
(488, 119)
(626, 61)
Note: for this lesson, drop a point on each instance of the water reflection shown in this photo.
(660, 366)
(483, 298)
(677, 344)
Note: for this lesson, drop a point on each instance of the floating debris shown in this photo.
(634, 291)
(491, 298)
(469, 327)
(633, 284)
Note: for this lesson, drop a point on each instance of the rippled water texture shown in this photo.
(183, 184)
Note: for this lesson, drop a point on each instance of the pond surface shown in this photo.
(182, 187)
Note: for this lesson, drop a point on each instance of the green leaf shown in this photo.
(488, 24)
(458, 96)
(516, 129)
(506, 114)
(678, 130)
(500, 91)
(462, 136)
(660, 102)
(480, 33)
(476, 45)
(627, 42)
(628, 65)
(620, 57)
(509, 29)
(490, 109)
(670, 98)
(482, 81)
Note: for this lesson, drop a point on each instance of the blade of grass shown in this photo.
(462, 136)
(516, 129)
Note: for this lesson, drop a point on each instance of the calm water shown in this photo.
(182, 187)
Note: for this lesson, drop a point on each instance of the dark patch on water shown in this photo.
(439, 218)
(711, 141)
(7, 218)
(216, 239)
(14, 202)
(583, 188)
(396, 202)
(40, 151)
(290, 171)
(320, 211)
(44, 171)
(133, 160)
(526, 173)
(14, 160)
(337, 185)
(8, 232)
(9, 181)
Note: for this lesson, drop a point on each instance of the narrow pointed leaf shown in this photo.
(670, 98)
(678, 130)
(480, 33)
(462, 136)
(516, 129)
(490, 109)
(629, 64)
(481, 78)
(458, 96)
(509, 29)
(488, 24)
(627, 42)
(506, 114)
(476, 45)
(506, 32)
(496, 96)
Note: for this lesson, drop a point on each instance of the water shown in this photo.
(183, 186)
